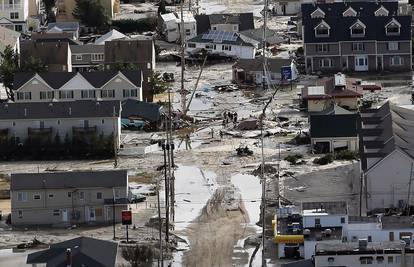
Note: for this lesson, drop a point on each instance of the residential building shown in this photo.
(356, 36)
(65, 9)
(9, 38)
(170, 26)
(221, 44)
(286, 7)
(144, 111)
(44, 120)
(72, 86)
(138, 52)
(56, 56)
(386, 150)
(250, 71)
(68, 197)
(255, 37)
(87, 57)
(232, 22)
(71, 28)
(14, 14)
(80, 251)
(338, 90)
(333, 130)
(362, 253)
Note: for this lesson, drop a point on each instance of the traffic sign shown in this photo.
(126, 217)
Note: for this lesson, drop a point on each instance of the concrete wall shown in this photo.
(354, 260)
(387, 181)
(326, 220)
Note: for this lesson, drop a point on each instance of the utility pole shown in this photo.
(183, 93)
(113, 210)
(165, 148)
(160, 225)
(409, 189)
(264, 44)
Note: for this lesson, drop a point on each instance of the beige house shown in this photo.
(65, 198)
(66, 7)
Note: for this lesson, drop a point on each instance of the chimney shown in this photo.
(68, 257)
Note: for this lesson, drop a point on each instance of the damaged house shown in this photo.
(231, 22)
(338, 89)
(250, 71)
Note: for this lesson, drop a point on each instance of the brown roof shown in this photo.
(129, 51)
(49, 53)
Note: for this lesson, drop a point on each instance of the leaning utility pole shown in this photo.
(263, 179)
(171, 159)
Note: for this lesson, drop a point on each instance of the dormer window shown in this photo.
(350, 12)
(318, 13)
(357, 29)
(322, 29)
(393, 27)
(382, 11)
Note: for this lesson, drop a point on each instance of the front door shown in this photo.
(92, 214)
(361, 63)
(64, 215)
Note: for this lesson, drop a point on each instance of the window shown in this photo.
(130, 92)
(149, 65)
(81, 195)
(18, 28)
(51, 195)
(322, 32)
(326, 63)
(226, 47)
(103, 121)
(70, 194)
(22, 196)
(322, 47)
(210, 46)
(14, 15)
(396, 61)
(46, 95)
(392, 29)
(342, 219)
(36, 197)
(391, 236)
(397, 259)
(108, 93)
(357, 31)
(78, 57)
(85, 123)
(358, 47)
(97, 57)
(369, 238)
(24, 95)
(65, 94)
(331, 259)
(191, 45)
(366, 260)
(20, 213)
(235, 28)
(14, 123)
(214, 28)
(99, 195)
(187, 32)
(88, 94)
(58, 122)
(393, 46)
(117, 193)
(317, 222)
(390, 259)
(56, 212)
(380, 259)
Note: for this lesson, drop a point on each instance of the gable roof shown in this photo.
(350, 9)
(244, 20)
(208, 38)
(64, 26)
(109, 36)
(374, 24)
(133, 108)
(49, 53)
(395, 151)
(381, 8)
(86, 251)
(343, 125)
(68, 179)
(55, 110)
(96, 78)
(135, 50)
(272, 36)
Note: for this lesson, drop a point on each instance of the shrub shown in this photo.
(132, 25)
(293, 159)
(328, 158)
(346, 155)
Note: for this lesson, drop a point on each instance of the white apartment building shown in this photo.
(14, 14)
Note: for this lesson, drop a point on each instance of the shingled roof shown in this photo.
(375, 25)
(96, 78)
(68, 179)
(244, 20)
(60, 110)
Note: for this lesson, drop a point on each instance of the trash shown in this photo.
(168, 77)
(244, 151)
(249, 124)
(267, 169)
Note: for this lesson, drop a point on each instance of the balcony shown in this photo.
(84, 130)
(11, 6)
